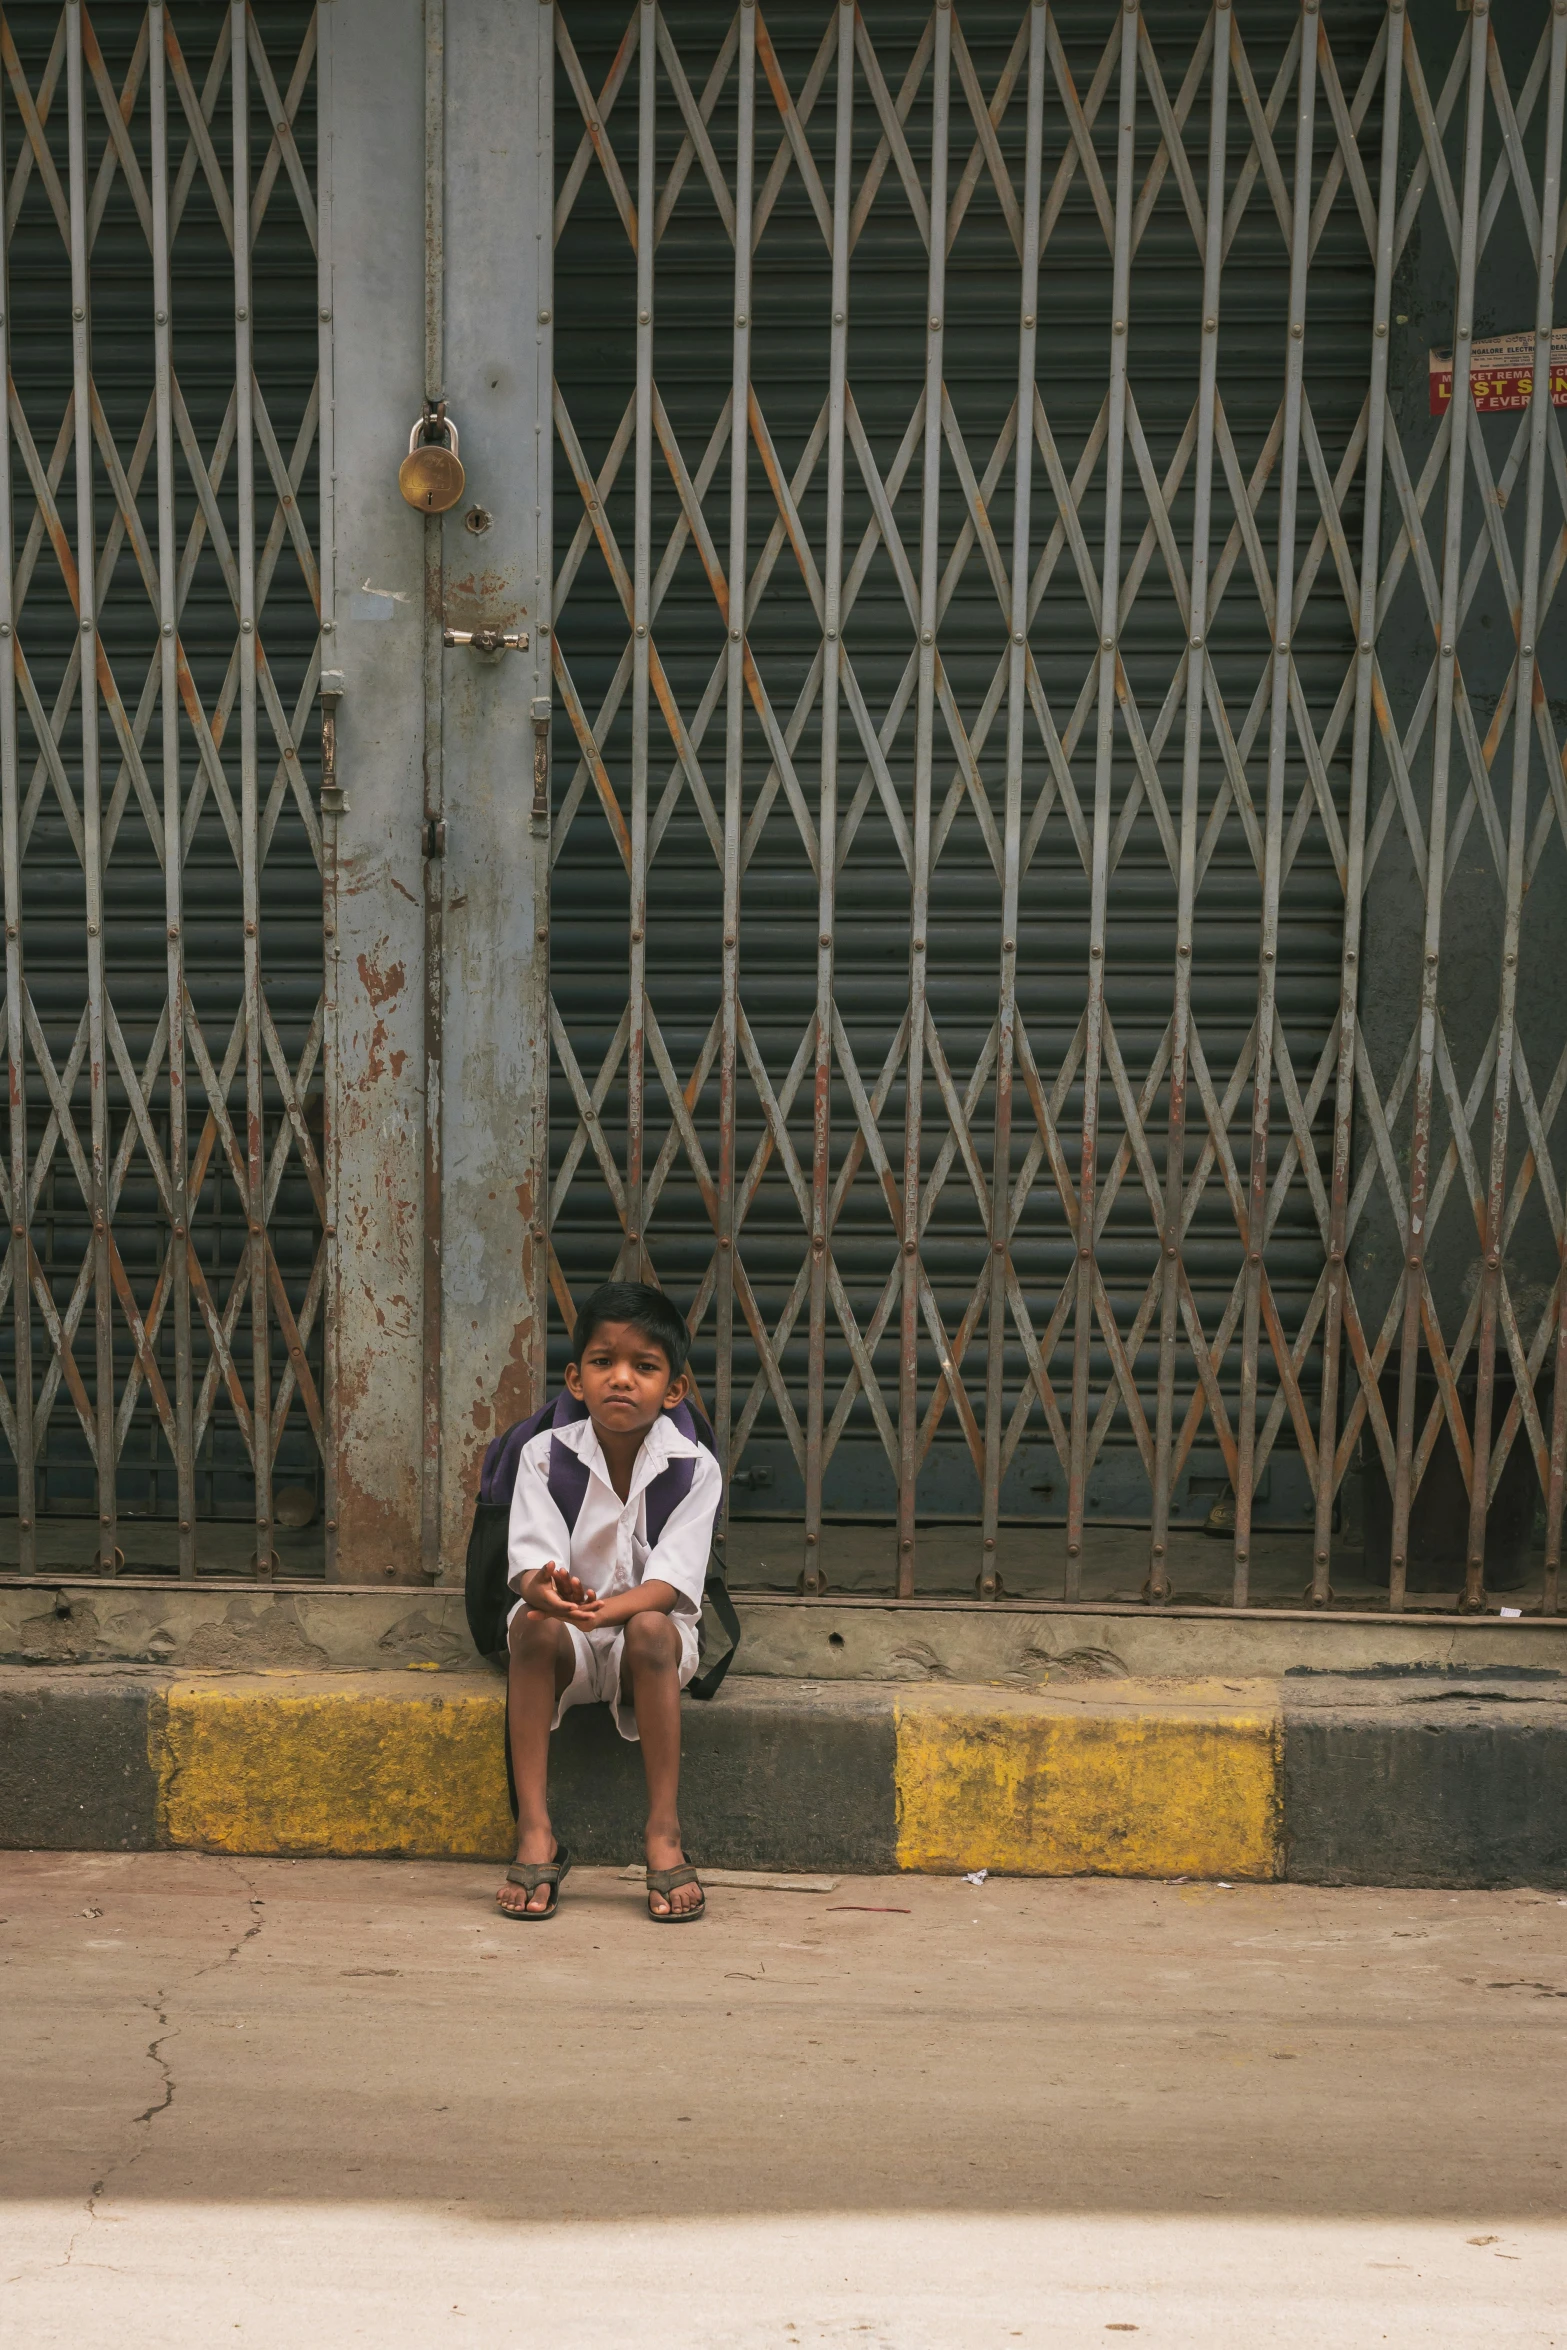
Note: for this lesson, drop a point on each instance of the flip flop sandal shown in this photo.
(530, 1875)
(664, 1881)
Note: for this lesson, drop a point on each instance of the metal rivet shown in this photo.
(78, 314)
(242, 315)
(1381, 326)
(935, 326)
(1210, 326)
(1196, 644)
(734, 635)
(168, 628)
(246, 626)
(1297, 330)
(544, 318)
(644, 318)
(1017, 636)
(1119, 327)
(925, 636)
(1107, 644)
(642, 628)
(741, 319)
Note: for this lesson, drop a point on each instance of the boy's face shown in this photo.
(624, 1380)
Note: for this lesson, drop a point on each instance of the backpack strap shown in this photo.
(705, 1685)
(568, 1478)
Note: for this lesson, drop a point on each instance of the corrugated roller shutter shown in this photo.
(595, 344)
(279, 79)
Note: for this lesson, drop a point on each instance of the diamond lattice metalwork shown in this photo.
(159, 837)
(1223, 662)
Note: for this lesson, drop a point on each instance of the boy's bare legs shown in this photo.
(651, 1666)
(542, 1660)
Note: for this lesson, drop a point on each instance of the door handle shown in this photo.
(488, 640)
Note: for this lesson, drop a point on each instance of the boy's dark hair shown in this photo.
(647, 1310)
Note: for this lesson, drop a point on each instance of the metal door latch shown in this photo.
(488, 640)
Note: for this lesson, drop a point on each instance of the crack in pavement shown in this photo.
(159, 2005)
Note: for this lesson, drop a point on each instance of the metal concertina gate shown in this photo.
(1264, 1245)
(163, 1188)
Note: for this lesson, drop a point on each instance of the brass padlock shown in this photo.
(430, 476)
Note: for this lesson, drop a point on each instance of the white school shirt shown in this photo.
(608, 1547)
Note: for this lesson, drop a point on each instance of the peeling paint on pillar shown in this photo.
(373, 286)
(495, 1062)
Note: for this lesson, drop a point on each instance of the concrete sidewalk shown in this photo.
(1394, 1778)
(289, 2104)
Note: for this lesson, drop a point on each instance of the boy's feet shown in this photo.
(535, 1845)
(667, 1852)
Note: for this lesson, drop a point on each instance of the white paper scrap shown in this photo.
(1510, 1611)
(975, 1876)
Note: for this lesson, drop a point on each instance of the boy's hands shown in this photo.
(556, 1591)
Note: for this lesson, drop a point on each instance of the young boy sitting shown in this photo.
(601, 1615)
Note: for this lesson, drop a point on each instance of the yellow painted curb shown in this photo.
(328, 1765)
(1130, 1781)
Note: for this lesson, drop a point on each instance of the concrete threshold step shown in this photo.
(218, 1626)
(1397, 1779)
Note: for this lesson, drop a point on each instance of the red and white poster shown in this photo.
(1503, 373)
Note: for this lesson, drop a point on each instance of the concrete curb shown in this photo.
(1381, 1780)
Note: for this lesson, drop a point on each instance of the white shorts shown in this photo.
(596, 1680)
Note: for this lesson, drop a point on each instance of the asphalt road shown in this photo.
(341, 2103)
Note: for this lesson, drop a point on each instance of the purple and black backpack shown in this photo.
(490, 1597)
